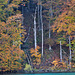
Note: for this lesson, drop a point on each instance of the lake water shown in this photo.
(45, 74)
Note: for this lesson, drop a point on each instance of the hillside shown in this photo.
(37, 35)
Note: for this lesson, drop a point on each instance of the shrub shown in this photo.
(28, 67)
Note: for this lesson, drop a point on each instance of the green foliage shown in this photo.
(28, 67)
(7, 8)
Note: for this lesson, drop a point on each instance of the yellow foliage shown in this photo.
(28, 67)
(59, 64)
(36, 54)
(10, 29)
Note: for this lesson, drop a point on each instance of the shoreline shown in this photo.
(35, 72)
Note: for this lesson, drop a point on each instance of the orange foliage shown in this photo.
(10, 58)
(11, 27)
(35, 54)
(10, 53)
(59, 64)
(65, 21)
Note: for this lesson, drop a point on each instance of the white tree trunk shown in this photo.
(49, 31)
(49, 36)
(20, 41)
(50, 15)
(39, 15)
(70, 52)
(42, 39)
(51, 9)
(42, 26)
(35, 29)
(27, 36)
(60, 52)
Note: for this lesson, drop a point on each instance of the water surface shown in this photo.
(45, 74)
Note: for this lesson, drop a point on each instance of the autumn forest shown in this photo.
(37, 36)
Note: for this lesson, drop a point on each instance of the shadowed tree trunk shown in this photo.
(39, 14)
(60, 52)
(50, 16)
(42, 26)
(49, 30)
(22, 24)
(70, 52)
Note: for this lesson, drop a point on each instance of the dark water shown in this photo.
(45, 74)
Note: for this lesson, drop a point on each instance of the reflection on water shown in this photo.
(45, 74)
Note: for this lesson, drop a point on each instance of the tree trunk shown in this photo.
(50, 15)
(70, 52)
(51, 10)
(29, 5)
(35, 29)
(22, 24)
(42, 27)
(39, 15)
(42, 39)
(49, 31)
(27, 36)
(60, 52)
(20, 41)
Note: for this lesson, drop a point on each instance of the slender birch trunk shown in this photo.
(35, 29)
(42, 26)
(27, 36)
(42, 39)
(50, 15)
(51, 12)
(49, 31)
(20, 41)
(70, 52)
(60, 52)
(51, 9)
(39, 15)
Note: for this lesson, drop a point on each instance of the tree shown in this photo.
(60, 52)
(39, 14)
(41, 25)
(7, 8)
(11, 55)
(10, 32)
(37, 56)
(70, 56)
(65, 26)
(51, 11)
(35, 30)
(50, 15)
